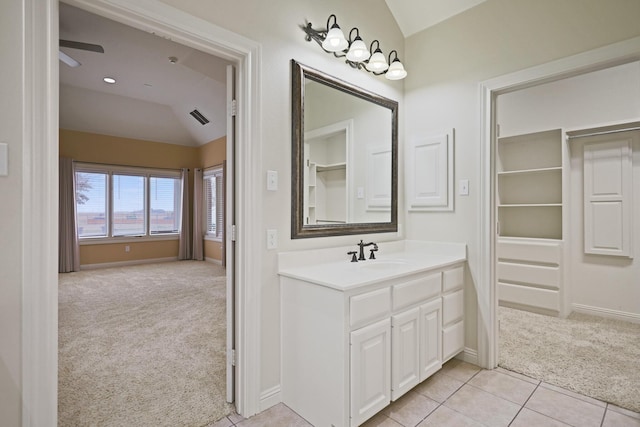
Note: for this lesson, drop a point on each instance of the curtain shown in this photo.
(184, 249)
(198, 232)
(68, 248)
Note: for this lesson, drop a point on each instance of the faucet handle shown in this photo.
(372, 255)
(353, 256)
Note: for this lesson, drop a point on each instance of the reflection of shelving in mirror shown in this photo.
(326, 149)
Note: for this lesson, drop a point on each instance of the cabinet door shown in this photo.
(405, 352)
(370, 370)
(430, 338)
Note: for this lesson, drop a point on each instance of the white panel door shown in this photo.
(429, 177)
(379, 178)
(430, 338)
(608, 195)
(370, 370)
(405, 352)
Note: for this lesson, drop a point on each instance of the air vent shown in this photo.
(199, 117)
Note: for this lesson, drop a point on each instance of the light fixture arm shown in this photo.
(352, 39)
(319, 36)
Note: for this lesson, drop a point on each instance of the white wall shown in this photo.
(276, 25)
(585, 101)
(445, 65)
(11, 47)
(604, 284)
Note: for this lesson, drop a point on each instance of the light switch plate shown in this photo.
(272, 180)
(464, 187)
(4, 159)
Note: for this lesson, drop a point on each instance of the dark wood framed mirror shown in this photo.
(344, 171)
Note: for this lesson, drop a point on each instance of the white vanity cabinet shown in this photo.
(452, 312)
(348, 352)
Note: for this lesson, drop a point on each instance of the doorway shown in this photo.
(597, 59)
(117, 122)
(39, 332)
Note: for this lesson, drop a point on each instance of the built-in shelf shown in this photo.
(529, 209)
(331, 167)
(528, 205)
(529, 185)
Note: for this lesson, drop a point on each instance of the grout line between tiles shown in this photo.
(525, 402)
(604, 414)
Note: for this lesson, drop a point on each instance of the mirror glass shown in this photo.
(344, 168)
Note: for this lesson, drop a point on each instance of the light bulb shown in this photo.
(396, 71)
(377, 63)
(358, 51)
(335, 40)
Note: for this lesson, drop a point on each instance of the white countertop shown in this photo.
(332, 267)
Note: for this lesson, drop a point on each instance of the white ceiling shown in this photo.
(414, 16)
(152, 97)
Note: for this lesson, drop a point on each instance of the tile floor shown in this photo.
(463, 395)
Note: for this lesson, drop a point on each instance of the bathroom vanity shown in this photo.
(358, 335)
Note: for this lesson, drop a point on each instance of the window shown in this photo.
(165, 205)
(214, 202)
(91, 204)
(114, 201)
(129, 213)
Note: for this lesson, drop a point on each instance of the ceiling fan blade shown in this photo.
(68, 60)
(82, 46)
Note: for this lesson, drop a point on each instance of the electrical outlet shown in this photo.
(127, 248)
(272, 180)
(272, 239)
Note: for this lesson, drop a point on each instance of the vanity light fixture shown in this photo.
(332, 40)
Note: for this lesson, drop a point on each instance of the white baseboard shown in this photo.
(270, 397)
(213, 260)
(469, 355)
(125, 263)
(605, 312)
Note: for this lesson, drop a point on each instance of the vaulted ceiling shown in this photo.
(153, 95)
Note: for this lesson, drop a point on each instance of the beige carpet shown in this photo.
(590, 355)
(142, 346)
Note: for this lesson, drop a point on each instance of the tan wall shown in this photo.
(213, 153)
(98, 254)
(89, 147)
(213, 249)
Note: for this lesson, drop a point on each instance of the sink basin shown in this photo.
(382, 264)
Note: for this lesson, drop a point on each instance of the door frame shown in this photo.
(597, 59)
(40, 189)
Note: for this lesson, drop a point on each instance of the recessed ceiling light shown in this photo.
(109, 80)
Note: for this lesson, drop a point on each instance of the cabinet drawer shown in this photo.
(452, 307)
(452, 340)
(414, 291)
(370, 306)
(453, 279)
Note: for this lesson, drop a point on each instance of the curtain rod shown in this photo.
(603, 132)
(129, 166)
